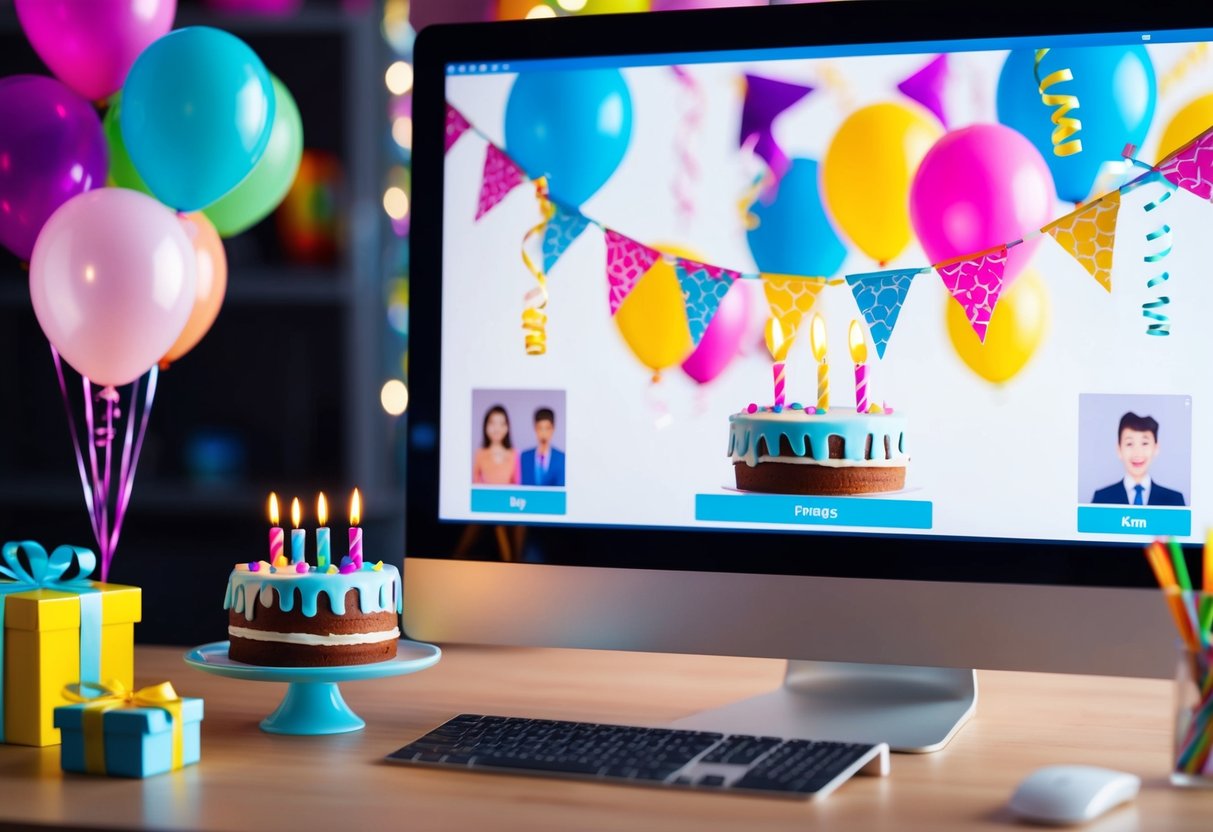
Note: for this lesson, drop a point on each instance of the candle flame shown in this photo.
(817, 337)
(355, 508)
(322, 509)
(273, 509)
(859, 347)
(296, 513)
(779, 340)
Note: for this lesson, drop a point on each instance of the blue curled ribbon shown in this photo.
(46, 572)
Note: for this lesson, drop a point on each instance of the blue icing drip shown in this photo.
(376, 590)
(746, 434)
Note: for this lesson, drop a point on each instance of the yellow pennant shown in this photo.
(1088, 234)
(789, 298)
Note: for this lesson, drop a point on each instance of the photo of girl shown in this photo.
(495, 461)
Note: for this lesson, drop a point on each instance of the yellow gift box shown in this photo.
(45, 648)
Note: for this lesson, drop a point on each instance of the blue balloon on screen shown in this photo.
(1116, 90)
(197, 109)
(572, 127)
(794, 234)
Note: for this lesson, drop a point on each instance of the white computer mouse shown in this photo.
(1063, 795)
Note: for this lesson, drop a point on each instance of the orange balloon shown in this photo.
(211, 284)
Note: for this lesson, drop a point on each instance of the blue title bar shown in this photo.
(1149, 522)
(859, 512)
(519, 500)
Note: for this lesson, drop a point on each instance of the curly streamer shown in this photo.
(535, 301)
(1158, 323)
(1193, 58)
(1065, 126)
(687, 174)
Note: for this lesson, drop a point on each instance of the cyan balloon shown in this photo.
(197, 110)
(794, 234)
(572, 127)
(1116, 90)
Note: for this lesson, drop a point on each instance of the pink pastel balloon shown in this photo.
(112, 280)
(979, 187)
(91, 44)
(722, 339)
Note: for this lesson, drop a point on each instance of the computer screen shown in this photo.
(855, 332)
(950, 288)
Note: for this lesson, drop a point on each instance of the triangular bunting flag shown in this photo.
(976, 285)
(1088, 235)
(501, 176)
(926, 86)
(626, 261)
(703, 288)
(879, 296)
(1191, 167)
(562, 229)
(765, 99)
(456, 126)
(790, 298)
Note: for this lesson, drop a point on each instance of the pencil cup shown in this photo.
(1193, 762)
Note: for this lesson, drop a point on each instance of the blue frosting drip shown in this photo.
(378, 591)
(811, 432)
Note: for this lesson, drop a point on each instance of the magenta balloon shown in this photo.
(52, 148)
(722, 339)
(112, 281)
(977, 188)
(91, 44)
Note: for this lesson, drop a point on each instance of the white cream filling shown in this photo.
(896, 462)
(331, 640)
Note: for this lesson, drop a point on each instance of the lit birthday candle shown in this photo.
(355, 530)
(817, 340)
(276, 534)
(324, 544)
(298, 535)
(778, 343)
(859, 354)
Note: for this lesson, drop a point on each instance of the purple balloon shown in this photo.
(52, 148)
(722, 339)
(91, 44)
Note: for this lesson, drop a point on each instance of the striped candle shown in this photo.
(277, 536)
(859, 354)
(777, 372)
(817, 340)
(355, 529)
(298, 535)
(779, 341)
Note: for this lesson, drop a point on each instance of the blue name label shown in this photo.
(861, 512)
(1152, 522)
(518, 501)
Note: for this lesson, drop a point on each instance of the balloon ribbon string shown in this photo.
(1158, 323)
(100, 498)
(534, 314)
(89, 501)
(130, 458)
(1065, 126)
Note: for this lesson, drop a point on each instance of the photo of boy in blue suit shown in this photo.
(544, 464)
(1137, 446)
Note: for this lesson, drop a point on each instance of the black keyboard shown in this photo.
(650, 756)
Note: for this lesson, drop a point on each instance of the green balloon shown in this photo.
(122, 173)
(267, 184)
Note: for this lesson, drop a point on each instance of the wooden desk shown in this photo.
(249, 780)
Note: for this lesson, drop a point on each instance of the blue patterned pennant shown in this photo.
(562, 229)
(703, 288)
(879, 296)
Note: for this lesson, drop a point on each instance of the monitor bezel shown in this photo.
(799, 553)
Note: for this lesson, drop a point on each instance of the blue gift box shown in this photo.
(138, 741)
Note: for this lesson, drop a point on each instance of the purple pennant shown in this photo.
(626, 262)
(765, 99)
(926, 87)
(456, 126)
(501, 176)
(976, 285)
(1191, 167)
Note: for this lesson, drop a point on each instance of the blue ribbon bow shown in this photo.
(46, 572)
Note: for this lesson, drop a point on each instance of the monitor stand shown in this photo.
(913, 709)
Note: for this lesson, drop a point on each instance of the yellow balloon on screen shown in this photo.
(1193, 119)
(653, 319)
(867, 171)
(1017, 329)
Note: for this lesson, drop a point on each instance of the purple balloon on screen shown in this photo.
(52, 148)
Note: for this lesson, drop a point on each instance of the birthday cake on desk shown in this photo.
(798, 450)
(296, 615)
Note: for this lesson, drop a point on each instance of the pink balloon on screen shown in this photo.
(723, 338)
(980, 187)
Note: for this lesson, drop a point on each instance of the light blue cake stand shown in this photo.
(313, 703)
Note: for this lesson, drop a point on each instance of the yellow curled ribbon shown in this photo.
(117, 695)
(535, 302)
(1064, 126)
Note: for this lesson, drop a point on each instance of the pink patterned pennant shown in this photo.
(1191, 167)
(456, 126)
(626, 261)
(501, 176)
(976, 285)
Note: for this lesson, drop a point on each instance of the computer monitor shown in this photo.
(644, 246)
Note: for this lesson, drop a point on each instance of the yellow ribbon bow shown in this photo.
(117, 695)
